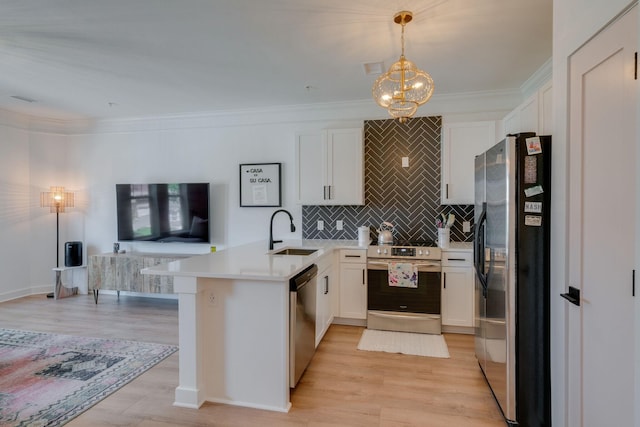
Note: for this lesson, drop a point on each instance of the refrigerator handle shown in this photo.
(479, 249)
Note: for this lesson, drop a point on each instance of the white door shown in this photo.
(602, 228)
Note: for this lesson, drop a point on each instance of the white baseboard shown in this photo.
(45, 289)
(19, 293)
(33, 290)
(458, 330)
(138, 294)
(349, 322)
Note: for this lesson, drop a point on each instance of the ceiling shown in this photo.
(134, 58)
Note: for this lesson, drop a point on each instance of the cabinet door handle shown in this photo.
(324, 191)
(330, 195)
(363, 276)
(444, 280)
(446, 191)
(326, 285)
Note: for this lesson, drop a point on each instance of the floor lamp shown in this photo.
(56, 199)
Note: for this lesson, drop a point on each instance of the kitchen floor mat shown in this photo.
(404, 342)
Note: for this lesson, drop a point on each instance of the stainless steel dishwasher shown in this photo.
(302, 322)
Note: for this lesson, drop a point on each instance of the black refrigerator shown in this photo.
(511, 259)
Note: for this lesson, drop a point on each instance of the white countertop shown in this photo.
(252, 261)
(255, 262)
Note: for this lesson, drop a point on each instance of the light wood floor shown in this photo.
(342, 386)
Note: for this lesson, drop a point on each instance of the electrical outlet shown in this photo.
(339, 225)
(320, 225)
(466, 226)
(213, 300)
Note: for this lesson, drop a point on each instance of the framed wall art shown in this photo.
(260, 185)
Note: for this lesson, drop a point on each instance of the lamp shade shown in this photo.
(56, 199)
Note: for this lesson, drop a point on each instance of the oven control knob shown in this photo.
(419, 251)
(379, 251)
(385, 251)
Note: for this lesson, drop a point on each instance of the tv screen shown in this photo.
(163, 212)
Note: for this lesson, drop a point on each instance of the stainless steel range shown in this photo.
(408, 299)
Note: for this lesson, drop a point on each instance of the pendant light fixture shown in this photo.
(405, 87)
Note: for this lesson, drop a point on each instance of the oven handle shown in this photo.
(377, 263)
(386, 264)
(433, 267)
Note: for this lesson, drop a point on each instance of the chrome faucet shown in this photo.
(293, 228)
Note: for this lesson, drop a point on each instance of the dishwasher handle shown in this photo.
(302, 278)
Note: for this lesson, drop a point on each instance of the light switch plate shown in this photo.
(466, 226)
(320, 225)
(339, 224)
(405, 162)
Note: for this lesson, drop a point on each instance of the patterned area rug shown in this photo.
(48, 379)
(404, 342)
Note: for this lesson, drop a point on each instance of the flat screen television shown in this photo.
(163, 212)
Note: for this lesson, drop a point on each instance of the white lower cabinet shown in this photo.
(353, 284)
(457, 289)
(326, 297)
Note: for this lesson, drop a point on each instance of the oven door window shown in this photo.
(423, 299)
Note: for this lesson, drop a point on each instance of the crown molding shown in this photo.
(32, 123)
(537, 79)
(340, 112)
(14, 120)
(360, 110)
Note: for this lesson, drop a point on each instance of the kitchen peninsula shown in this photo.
(234, 322)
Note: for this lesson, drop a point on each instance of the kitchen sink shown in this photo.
(295, 251)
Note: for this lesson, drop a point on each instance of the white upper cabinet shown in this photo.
(310, 167)
(330, 167)
(461, 143)
(545, 109)
(533, 115)
(529, 114)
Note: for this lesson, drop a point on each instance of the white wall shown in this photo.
(15, 207)
(574, 23)
(185, 155)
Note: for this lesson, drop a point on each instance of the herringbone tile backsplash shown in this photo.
(409, 198)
